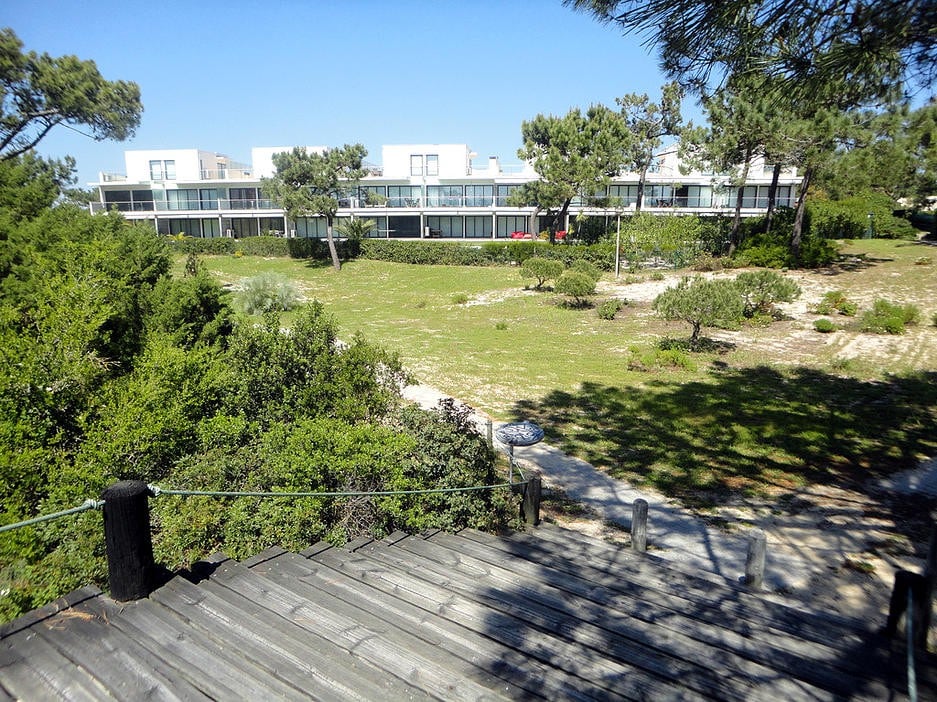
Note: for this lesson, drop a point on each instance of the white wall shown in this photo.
(453, 160)
(138, 163)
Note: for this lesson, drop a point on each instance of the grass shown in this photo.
(761, 414)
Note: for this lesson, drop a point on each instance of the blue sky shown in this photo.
(225, 76)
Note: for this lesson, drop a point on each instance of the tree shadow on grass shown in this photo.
(745, 430)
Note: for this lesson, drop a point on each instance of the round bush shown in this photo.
(824, 326)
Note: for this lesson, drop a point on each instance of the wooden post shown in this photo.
(490, 434)
(130, 564)
(755, 562)
(922, 590)
(530, 506)
(639, 525)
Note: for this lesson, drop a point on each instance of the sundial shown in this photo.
(518, 434)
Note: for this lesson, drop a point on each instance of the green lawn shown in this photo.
(748, 418)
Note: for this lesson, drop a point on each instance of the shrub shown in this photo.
(660, 359)
(585, 267)
(825, 326)
(701, 303)
(459, 298)
(268, 293)
(609, 308)
(887, 317)
(578, 286)
(836, 301)
(762, 290)
(442, 253)
(541, 269)
(933, 319)
(216, 246)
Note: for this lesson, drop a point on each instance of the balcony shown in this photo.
(228, 174)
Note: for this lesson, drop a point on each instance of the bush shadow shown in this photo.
(745, 429)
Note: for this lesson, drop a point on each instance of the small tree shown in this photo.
(580, 265)
(701, 303)
(576, 285)
(309, 184)
(541, 269)
(762, 290)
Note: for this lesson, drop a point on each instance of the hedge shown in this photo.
(443, 253)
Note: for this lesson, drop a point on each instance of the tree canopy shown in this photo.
(862, 47)
(648, 122)
(574, 155)
(39, 92)
(309, 184)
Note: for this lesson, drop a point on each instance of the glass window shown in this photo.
(156, 170)
(508, 225)
(416, 165)
(479, 196)
(403, 196)
(170, 168)
(444, 226)
(182, 199)
(432, 164)
(478, 227)
(625, 194)
(242, 198)
(208, 199)
(443, 195)
(504, 191)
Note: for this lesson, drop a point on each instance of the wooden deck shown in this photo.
(540, 615)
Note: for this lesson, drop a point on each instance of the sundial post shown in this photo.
(518, 434)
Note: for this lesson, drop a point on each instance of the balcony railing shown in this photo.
(228, 174)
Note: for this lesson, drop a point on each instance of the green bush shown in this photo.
(578, 286)
(541, 269)
(583, 266)
(836, 301)
(933, 319)
(762, 290)
(442, 253)
(268, 293)
(887, 317)
(824, 325)
(849, 218)
(659, 359)
(609, 308)
(459, 298)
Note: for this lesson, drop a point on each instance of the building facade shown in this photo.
(419, 191)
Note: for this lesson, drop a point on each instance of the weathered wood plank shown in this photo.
(380, 645)
(717, 671)
(527, 678)
(122, 666)
(704, 589)
(218, 670)
(659, 625)
(603, 674)
(33, 669)
(308, 662)
(857, 653)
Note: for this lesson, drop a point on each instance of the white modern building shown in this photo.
(418, 191)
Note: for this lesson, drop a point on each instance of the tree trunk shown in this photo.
(734, 234)
(532, 226)
(333, 251)
(797, 233)
(772, 196)
(642, 178)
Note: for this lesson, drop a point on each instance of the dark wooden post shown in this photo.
(921, 588)
(639, 525)
(530, 506)
(755, 562)
(130, 565)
